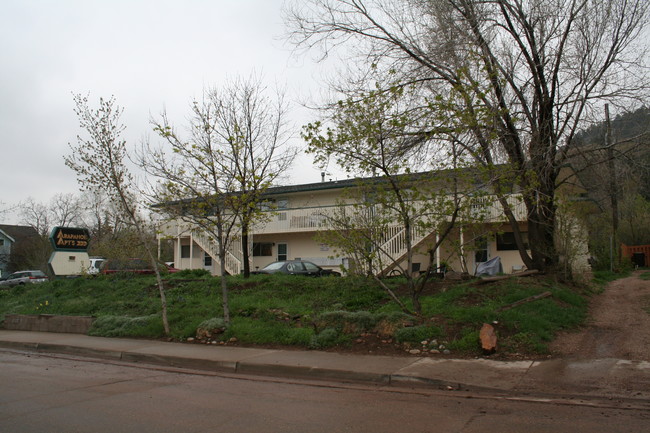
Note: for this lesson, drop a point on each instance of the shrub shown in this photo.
(346, 321)
(191, 273)
(467, 342)
(416, 334)
(326, 338)
(122, 326)
(209, 329)
(387, 324)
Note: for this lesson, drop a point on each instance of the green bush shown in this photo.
(121, 326)
(347, 322)
(467, 341)
(213, 323)
(326, 338)
(416, 334)
(191, 273)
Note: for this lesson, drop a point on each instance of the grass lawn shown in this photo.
(348, 314)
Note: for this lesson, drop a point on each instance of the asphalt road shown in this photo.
(64, 394)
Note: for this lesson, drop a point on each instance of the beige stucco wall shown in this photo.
(299, 245)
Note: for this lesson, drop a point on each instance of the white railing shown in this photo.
(392, 250)
(234, 254)
(312, 219)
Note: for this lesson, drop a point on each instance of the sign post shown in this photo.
(70, 256)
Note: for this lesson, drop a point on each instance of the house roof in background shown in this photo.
(18, 232)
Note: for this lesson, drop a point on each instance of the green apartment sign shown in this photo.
(70, 239)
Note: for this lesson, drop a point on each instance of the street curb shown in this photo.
(79, 351)
(176, 361)
(423, 373)
(240, 367)
(308, 372)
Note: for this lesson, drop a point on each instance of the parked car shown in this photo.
(136, 266)
(23, 277)
(297, 267)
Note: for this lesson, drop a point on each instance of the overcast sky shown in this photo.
(149, 54)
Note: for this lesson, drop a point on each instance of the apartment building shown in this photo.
(295, 214)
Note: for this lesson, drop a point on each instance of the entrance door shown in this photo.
(283, 249)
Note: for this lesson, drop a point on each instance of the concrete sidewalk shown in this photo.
(608, 378)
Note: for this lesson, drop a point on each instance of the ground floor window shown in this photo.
(481, 250)
(506, 241)
(207, 260)
(262, 249)
(185, 251)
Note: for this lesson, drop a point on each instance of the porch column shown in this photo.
(191, 250)
(437, 252)
(179, 250)
(462, 249)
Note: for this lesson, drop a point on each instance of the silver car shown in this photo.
(22, 277)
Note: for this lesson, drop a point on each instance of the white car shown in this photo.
(95, 265)
(23, 277)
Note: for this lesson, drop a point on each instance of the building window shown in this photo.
(185, 251)
(262, 249)
(481, 253)
(2, 242)
(506, 241)
(207, 260)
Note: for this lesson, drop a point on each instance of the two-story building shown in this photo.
(296, 214)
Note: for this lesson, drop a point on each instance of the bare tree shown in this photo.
(100, 163)
(193, 186)
(36, 215)
(66, 209)
(252, 132)
(517, 77)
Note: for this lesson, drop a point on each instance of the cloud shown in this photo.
(148, 54)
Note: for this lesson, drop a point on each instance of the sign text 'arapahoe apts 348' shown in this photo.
(70, 256)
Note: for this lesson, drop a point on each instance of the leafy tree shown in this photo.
(371, 137)
(99, 161)
(613, 162)
(524, 75)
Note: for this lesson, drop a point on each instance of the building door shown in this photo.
(283, 249)
(481, 251)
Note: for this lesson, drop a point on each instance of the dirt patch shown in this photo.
(618, 325)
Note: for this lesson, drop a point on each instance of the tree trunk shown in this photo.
(540, 203)
(224, 290)
(245, 252)
(163, 297)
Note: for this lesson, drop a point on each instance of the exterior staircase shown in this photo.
(234, 254)
(394, 250)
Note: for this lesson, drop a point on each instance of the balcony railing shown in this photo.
(316, 218)
(312, 219)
